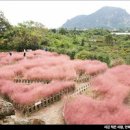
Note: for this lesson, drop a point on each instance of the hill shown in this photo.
(106, 17)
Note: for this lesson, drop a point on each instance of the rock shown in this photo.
(22, 122)
(29, 122)
(6, 108)
(5, 120)
(37, 122)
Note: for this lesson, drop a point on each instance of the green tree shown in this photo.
(4, 24)
(63, 31)
(5, 29)
(84, 55)
(29, 35)
(109, 39)
(82, 42)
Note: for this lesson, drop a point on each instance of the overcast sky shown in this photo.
(53, 14)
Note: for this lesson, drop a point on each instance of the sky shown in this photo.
(53, 14)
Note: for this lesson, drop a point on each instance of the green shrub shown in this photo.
(115, 62)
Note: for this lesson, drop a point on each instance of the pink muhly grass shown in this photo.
(6, 60)
(94, 69)
(43, 53)
(29, 63)
(58, 72)
(103, 82)
(3, 54)
(7, 87)
(11, 71)
(37, 73)
(16, 57)
(30, 56)
(38, 52)
(39, 92)
(29, 96)
(2, 83)
(6, 73)
(122, 73)
(89, 66)
(19, 70)
(108, 84)
(84, 110)
(39, 62)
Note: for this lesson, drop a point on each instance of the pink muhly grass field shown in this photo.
(85, 110)
(61, 71)
(27, 94)
(114, 85)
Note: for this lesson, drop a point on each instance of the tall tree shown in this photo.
(5, 29)
(29, 35)
(109, 39)
(4, 24)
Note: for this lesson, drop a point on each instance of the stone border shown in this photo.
(81, 89)
(28, 81)
(82, 79)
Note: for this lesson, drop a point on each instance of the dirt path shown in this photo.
(50, 115)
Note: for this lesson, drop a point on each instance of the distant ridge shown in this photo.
(106, 17)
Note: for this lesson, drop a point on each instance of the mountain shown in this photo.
(106, 17)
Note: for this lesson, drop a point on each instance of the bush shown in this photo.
(90, 55)
(103, 57)
(115, 62)
(84, 55)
